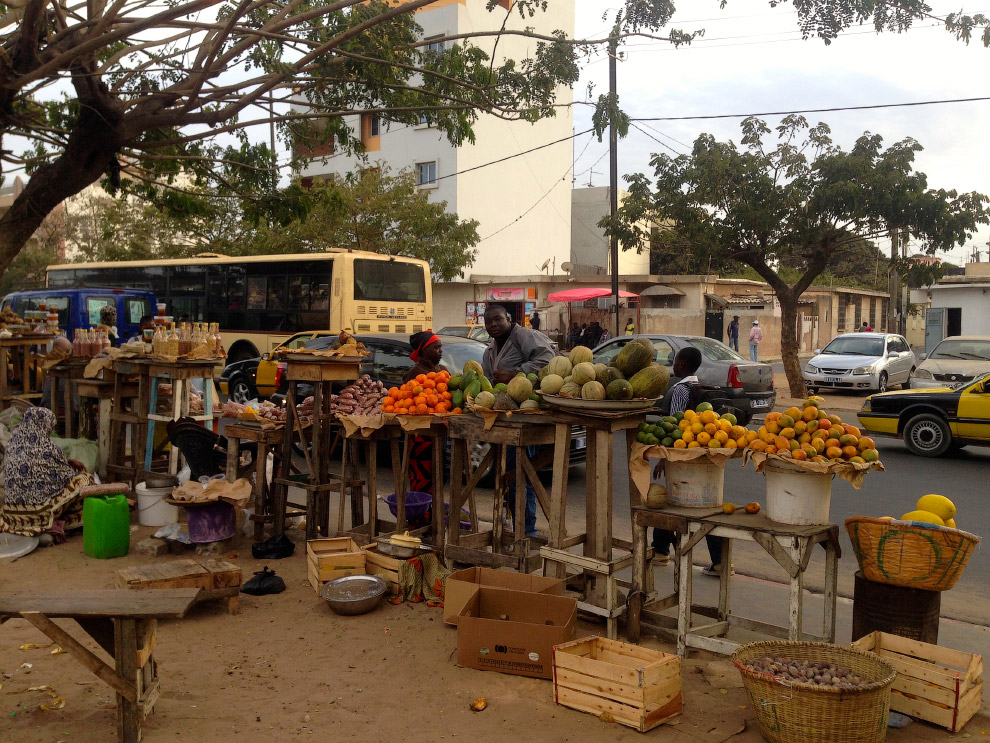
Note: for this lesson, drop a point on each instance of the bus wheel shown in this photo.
(242, 352)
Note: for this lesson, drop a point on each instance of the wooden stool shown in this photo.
(18, 353)
(180, 374)
(216, 578)
(128, 420)
(268, 440)
(98, 428)
(65, 373)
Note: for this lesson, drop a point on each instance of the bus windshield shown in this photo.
(388, 281)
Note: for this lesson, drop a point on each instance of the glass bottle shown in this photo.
(214, 333)
(198, 335)
(105, 340)
(172, 342)
(76, 338)
(158, 340)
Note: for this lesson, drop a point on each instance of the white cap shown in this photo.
(756, 322)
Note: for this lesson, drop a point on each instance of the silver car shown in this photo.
(748, 384)
(955, 361)
(861, 361)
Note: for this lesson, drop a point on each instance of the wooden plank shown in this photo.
(82, 654)
(225, 574)
(926, 651)
(715, 629)
(692, 539)
(773, 548)
(909, 667)
(469, 556)
(147, 640)
(711, 644)
(921, 709)
(941, 695)
(621, 713)
(164, 603)
(641, 697)
(125, 655)
(174, 574)
(969, 705)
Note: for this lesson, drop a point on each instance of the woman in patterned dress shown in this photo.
(40, 486)
(426, 355)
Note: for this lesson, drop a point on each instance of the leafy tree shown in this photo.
(372, 210)
(801, 205)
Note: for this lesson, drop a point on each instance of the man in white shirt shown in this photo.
(755, 336)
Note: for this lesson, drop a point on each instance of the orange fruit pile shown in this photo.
(709, 430)
(811, 434)
(426, 394)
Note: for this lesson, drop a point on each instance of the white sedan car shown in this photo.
(861, 361)
(954, 362)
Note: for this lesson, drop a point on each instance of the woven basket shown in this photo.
(802, 713)
(905, 553)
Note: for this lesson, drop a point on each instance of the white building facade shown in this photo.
(589, 244)
(522, 204)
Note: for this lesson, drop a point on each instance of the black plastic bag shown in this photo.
(274, 548)
(264, 582)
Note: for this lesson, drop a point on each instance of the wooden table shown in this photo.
(124, 623)
(99, 428)
(66, 372)
(268, 440)
(321, 373)
(17, 351)
(128, 419)
(487, 548)
(597, 562)
(790, 547)
(351, 447)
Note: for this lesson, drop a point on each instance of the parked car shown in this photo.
(748, 384)
(953, 362)
(258, 377)
(932, 421)
(861, 361)
(477, 332)
(80, 308)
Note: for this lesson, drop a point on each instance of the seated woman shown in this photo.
(40, 486)
(426, 355)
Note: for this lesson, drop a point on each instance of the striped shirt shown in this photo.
(680, 394)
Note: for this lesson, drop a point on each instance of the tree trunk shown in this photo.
(87, 155)
(789, 344)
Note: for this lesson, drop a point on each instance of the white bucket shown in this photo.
(152, 509)
(797, 496)
(695, 484)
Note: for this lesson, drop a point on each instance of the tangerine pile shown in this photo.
(811, 434)
(705, 428)
(426, 394)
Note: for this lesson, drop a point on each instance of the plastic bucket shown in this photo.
(695, 484)
(152, 509)
(213, 522)
(797, 496)
(106, 526)
(417, 504)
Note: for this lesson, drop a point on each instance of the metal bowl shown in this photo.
(161, 480)
(401, 551)
(354, 594)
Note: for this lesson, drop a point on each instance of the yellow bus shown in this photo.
(261, 300)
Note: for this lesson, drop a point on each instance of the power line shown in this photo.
(812, 110)
(518, 154)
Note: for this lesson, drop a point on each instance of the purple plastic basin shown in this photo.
(211, 523)
(417, 504)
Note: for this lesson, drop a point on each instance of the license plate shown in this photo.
(759, 403)
(580, 443)
(833, 379)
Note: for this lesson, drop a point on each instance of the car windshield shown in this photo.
(714, 350)
(855, 347)
(456, 355)
(318, 344)
(975, 350)
(461, 330)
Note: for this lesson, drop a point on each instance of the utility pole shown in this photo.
(613, 168)
(892, 282)
(905, 304)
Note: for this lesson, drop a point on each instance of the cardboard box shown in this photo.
(460, 586)
(513, 631)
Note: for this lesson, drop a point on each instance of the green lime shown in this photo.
(667, 441)
(651, 440)
(642, 427)
(703, 406)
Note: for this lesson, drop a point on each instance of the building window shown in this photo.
(873, 312)
(841, 318)
(424, 120)
(426, 174)
(436, 43)
(375, 127)
(858, 319)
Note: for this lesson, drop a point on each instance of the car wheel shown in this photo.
(812, 390)
(882, 382)
(907, 382)
(240, 391)
(927, 435)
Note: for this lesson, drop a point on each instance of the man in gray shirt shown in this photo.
(514, 349)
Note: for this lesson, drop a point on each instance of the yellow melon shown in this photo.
(925, 517)
(937, 504)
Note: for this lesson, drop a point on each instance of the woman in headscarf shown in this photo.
(40, 486)
(426, 354)
(108, 322)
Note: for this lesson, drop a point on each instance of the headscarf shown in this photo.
(108, 315)
(34, 469)
(419, 342)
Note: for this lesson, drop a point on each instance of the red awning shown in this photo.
(582, 295)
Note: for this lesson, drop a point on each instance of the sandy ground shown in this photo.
(286, 668)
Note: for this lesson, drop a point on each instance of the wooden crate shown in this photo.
(933, 683)
(216, 578)
(638, 687)
(327, 559)
(387, 567)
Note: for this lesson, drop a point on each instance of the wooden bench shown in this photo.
(216, 578)
(124, 624)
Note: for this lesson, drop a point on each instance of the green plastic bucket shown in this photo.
(106, 526)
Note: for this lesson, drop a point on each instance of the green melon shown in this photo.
(581, 355)
(601, 374)
(529, 405)
(593, 391)
(632, 358)
(570, 389)
(619, 389)
(584, 372)
(650, 382)
(559, 365)
(613, 374)
(519, 389)
(551, 384)
(484, 400)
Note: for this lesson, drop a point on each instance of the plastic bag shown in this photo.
(184, 474)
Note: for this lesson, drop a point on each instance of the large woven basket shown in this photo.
(909, 554)
(802, 713)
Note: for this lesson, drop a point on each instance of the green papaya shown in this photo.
(486, 385)
(468, 377)
(500, 386)
(456, 382)
(473, 389)
(457, 398)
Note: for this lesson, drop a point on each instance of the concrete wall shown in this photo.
(589, 245)
(973, 299)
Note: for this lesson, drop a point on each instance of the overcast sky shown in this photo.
(752, 60)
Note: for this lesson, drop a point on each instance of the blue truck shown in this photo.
(80, 308)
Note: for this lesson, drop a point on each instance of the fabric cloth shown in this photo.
(524, 350)
(733, 331)
(680, 394)
(754, 351)
(422, 579)
(734, 344)
(34, 469)
(756, 334)
(421, 464)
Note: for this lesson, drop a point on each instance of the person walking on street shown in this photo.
(630, 327)
(755, 337)
(733, 333)
(514, 349)
(534, 321)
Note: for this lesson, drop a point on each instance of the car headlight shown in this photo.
(811, 369)
(863, 370)
(922, 374)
